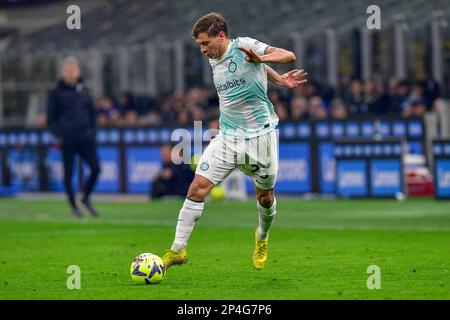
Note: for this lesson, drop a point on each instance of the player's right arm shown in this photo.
(271, 54)
(289, 79)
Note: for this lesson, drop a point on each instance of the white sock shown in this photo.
(266, 218)
(189, 214)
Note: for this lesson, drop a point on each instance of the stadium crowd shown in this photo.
(311, 101)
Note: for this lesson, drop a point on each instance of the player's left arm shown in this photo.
(289, 79)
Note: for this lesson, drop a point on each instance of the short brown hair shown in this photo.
(213, 23)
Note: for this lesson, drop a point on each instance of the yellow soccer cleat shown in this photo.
(171, 258)
(261, 253)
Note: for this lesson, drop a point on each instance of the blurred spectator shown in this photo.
(356, 99)
(281, 111)
(399, 99)
(416, 92)
(183, 118)
(214, 124)
(42, 121)
(274, 96)
(311, 89)
(299, 91)
(372, 99)
(299, 108)
(313, 100)
(317, 109)
(107, 113)
(172, 180)
(195, 97)
(392, 86)
(168, 114)
(415, 108)
(151, 118)
(338, 109)
(432, 90)
(127, 110)
(197, 114)
(165, 183)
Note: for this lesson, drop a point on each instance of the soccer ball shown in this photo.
(147, 268)
(218, 193)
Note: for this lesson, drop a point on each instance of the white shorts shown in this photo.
(256, 157)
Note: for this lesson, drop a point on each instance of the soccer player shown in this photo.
(247, 138)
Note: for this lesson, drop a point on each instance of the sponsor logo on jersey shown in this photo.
(230, 85)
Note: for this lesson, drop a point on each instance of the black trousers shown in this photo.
(87, 150)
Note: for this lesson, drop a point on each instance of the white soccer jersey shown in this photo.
(245, 108)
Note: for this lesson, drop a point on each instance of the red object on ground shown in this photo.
(418, 183)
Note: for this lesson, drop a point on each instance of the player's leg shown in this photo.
(189, 214)
(88, 152)
(191, 211)
(266, 204)
(263, 167)
(68, 155)
(267, 210)
(214, 166)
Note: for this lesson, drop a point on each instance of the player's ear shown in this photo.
(222, 35)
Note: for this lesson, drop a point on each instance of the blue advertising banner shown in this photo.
(415, 129)
(287, 131)
(47, 138)
(294, 172)
(143, 163)
(385, 128)
(108, 136)
(442, 169)
(304, 130)
(308, 153)
(3, 141)
(352, 129)
(23, 164)
(322, 130)
(399, 129)
(415, 147)
(368, 129)
(351, 178)
(109, 179)
(386, 177)
(55, 171)
(327, 168)
(1, 169)
(337, 130)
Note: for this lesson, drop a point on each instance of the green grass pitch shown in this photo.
(318, 250)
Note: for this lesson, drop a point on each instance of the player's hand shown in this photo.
(294, 78)
(250, 55)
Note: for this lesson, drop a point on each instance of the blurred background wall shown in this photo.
(145, 70)
(144, 48)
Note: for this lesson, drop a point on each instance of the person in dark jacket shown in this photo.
(72, 120)
(173, 179)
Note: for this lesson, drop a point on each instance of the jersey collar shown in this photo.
(226, 51)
